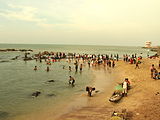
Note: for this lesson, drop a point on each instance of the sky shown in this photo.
(85, 22)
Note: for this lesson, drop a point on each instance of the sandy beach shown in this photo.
(142, 103)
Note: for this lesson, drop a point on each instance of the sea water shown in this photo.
(18, 80)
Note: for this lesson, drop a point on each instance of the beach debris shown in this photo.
(116, 115)
(36, 94)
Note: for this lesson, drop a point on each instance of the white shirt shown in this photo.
(125, 85)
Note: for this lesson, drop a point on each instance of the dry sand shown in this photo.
(142, 103)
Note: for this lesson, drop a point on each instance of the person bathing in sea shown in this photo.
(47, 68)
(35, 68)
(81, 68)
(89, 90)
(71, 80)
(70, 69)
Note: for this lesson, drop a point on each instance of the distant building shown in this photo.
(148, 44)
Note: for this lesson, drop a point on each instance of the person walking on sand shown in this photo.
(159, 64)
(137, 65)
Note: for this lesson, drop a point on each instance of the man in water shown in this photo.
(81, 68)
(89, 90)
(35, 68)
(71, 80)
(76, 67)
(70, 69)
(47, 68)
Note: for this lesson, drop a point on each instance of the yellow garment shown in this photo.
(116, 118)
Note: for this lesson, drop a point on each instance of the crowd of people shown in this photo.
(92, 60)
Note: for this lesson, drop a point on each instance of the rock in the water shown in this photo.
(36, 94)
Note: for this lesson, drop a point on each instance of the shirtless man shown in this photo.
(71, 80)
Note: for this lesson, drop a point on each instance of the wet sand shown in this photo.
(142, 103)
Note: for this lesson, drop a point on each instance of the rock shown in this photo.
(36, 94)
(50, 81)
(51, 95)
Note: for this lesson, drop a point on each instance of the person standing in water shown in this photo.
(113, 63)
(70, 69)
(76, 66)
(35, 68)
(81, 68)
(47, 68)
(71, 80)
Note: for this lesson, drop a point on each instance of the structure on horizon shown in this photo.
(148, 44)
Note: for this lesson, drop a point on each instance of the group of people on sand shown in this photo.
(133, 59)
(154, 72)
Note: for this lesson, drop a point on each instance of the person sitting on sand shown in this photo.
(35, 68)
(89, 90)
(71, 80)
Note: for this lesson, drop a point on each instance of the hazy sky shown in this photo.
(101, 22)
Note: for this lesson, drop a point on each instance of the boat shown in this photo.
(115, 97)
